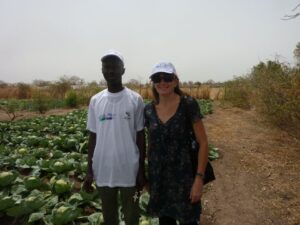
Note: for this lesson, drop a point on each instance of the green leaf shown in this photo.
(62, 186)
(35, 216)
(18, 211)
(88, 196)
(48, 220)
(65, 214)
(50, 202)
(7, 177)
(18, 189)
(95, 219)
(95, 205)
(32, 182)
(75, 199)
(6, 202)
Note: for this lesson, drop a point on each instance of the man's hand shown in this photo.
(140, 180)
(87, 184)
(141, 177)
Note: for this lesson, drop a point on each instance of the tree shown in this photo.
(3, 84)
(93, 84)
(60, 88)
(210, 82)
(190, 83)
(24, 91)
(297, 54)
(102, 83)
(198, 84)
(133, 83)
(74, 80)
(41, 83)
(10, 108)
(292, 16)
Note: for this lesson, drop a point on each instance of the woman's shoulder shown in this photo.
(189, 99)
(149, 110)
(149, 106)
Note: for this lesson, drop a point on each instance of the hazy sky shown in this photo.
(46, 39)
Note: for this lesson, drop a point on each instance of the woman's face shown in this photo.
(164, 83)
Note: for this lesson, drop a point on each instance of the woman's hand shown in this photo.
(196, 191)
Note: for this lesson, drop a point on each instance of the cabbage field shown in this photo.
(43, 163)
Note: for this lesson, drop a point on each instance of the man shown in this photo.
(116, 149)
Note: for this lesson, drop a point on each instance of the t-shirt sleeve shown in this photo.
(139, 117)
(91, 118)
(194, 109)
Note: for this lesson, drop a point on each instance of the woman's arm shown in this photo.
(201, 138)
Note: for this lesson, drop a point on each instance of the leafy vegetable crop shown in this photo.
(43, 163)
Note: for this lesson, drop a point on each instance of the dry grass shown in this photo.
(201, 92)
(8, 92)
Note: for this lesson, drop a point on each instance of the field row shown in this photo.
(43, 162)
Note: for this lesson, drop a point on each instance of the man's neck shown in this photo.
(114, 88)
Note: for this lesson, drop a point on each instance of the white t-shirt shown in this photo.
(115, 118)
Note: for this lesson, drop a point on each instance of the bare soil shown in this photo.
(258, 172)
(26, 115)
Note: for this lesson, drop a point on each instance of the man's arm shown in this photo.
(89, 174)
(141, 178)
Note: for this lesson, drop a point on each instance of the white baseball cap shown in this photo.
(113, 53)
(163, 67)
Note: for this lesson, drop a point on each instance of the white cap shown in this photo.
(163, 67)
(113, 53)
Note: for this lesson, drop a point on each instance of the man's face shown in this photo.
(112, 69)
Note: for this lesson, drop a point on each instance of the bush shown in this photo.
(72, 99)
(10, 108)
(24, 91)
(273, 89)
(273, 85)
(59, 89)
(238, 92)
(40, 102)
(88, 91)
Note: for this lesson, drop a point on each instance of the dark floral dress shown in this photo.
(170, 169)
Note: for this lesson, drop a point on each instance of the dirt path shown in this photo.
(258, 173)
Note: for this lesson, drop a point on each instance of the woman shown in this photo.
(175, 186)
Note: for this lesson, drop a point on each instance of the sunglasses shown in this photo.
(157, 78)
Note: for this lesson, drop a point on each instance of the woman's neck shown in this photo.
(168, 99)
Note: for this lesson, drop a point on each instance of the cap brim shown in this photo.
(166, 72)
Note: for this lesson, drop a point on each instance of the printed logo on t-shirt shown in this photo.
(127, 116)
(107, 116)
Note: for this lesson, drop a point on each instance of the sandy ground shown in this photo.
(258, 172)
